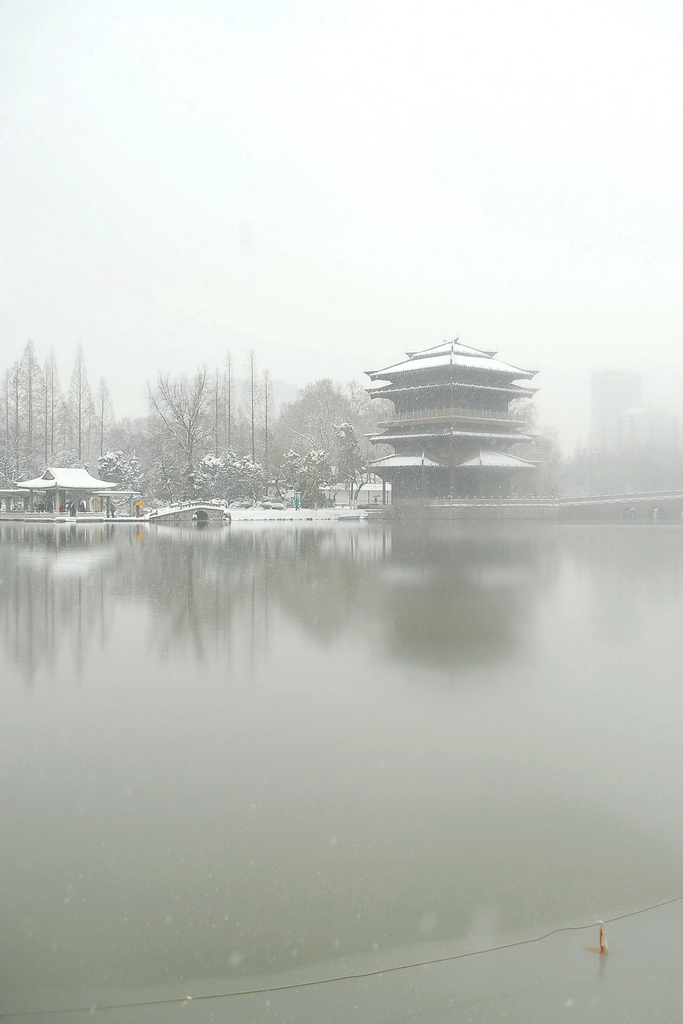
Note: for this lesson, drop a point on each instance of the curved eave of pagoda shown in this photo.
(484, 375)
(384, 389)
(455, 348)
(445, 435)
(490, 459)
(435, 367)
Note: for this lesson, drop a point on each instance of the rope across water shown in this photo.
(183, 1000)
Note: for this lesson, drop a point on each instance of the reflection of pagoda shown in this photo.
(452, 426)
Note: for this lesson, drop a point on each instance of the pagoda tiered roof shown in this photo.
(485, 457)
(404, 462)
(382, 388)
(448, 347)
(451, 355)
(500, 460)
(433, 435)
(454, 414)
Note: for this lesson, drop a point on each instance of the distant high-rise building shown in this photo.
(613, 393)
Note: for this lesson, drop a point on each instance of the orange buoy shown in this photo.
(603, 942)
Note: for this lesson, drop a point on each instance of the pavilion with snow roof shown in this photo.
(452, 425)
(58, 490)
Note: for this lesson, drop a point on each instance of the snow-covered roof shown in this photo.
(401, 461)
(389, 438)
(385, 387)
(448, 347)
(466, 362)
(56, 478)
(452, 354)
(500, 460)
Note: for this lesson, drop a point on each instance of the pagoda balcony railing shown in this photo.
(450, 413)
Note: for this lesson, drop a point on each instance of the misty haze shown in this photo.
(341, 512)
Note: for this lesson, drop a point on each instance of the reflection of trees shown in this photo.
(442, 838)
(446, 595)
(438, 596)
(217, 584)
(54, 582)
(441, 595)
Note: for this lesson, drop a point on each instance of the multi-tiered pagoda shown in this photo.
(452, 423)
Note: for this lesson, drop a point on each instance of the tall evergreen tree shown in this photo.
(80, 406)
(104, 414)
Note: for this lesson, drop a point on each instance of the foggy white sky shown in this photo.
(330, 183)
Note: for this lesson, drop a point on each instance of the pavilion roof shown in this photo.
(58, 478)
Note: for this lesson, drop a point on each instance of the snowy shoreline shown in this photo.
(286, 515)
(237, 515)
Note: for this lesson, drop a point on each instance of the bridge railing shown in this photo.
(626, 497)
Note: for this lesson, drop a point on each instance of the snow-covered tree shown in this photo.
(122, 469)
(80, 408)
(181, 407)
(68, 458)
(229, 477)
(333, 418)
(353, 460)
(104, 412)
(307, 473)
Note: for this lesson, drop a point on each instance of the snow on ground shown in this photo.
(273, 515)
(251, 515)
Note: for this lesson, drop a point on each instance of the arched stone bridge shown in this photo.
(190, 513)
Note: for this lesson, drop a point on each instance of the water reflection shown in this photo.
(55, 584)
(447, 598)
(241, 750)
(456, 597)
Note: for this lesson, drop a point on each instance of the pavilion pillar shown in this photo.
(30, 501)
(384, 491)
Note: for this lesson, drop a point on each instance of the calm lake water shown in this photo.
(260, 755)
